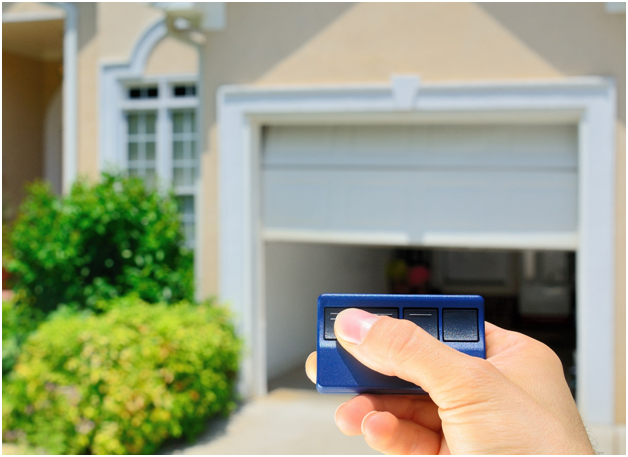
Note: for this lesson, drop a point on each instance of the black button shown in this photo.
(426, 318)
(331, 313)
(460, 325)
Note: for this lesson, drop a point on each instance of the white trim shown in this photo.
(590, 102)
(33, 16)
(111, 73)
(70, 94)
(536, 241)
(53, 142)
(198, 191)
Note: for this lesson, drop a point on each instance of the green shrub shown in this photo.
(102, 241)
(122, 381)
(18, 321)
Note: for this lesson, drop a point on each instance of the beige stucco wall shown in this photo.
(27, 88)
(172, 56)
(291, 43)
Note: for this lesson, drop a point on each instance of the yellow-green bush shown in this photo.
(18, 321)
(122, 381)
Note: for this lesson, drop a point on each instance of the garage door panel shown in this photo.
(418, 202)
(552, 200)
(376, 205)
(297, 200)
(502, 186)
(468, 146)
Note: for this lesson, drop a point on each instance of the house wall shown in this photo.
(172, 56)
(27, 88)
(325, 43)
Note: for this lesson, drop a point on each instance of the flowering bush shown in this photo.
(122, 381)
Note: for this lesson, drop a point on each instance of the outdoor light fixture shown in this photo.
(189, 20)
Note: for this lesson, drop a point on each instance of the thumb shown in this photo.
(398, 347)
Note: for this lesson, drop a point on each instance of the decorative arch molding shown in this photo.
(111, 73)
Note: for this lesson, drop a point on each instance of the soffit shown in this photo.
(42, 40)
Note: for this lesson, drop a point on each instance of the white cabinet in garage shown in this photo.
(443, 185)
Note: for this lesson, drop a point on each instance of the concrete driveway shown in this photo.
(287, 421)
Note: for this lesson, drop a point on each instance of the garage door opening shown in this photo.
(532, 292)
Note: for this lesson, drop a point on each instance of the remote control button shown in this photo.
(426, 318)
(460, 324)
(331, 313)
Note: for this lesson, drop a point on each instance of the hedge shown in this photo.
(102, 241)
(122, 381)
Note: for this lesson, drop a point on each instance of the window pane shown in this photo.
(192, 122)
(150, 177)
(184, 90)
(151, 120)
(186, 209)
(143, 92)
(150, 151)
(141, 146)
(132, 120)
(184, 147)
(177, 122)
(188, 230)
(133, 151)
(186, 204)
(179, 177)
(178, 150)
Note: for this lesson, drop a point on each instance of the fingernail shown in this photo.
(364, 421)
(352, 325)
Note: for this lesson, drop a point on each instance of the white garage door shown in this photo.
(509, 186)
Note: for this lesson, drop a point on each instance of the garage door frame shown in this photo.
(589, 102)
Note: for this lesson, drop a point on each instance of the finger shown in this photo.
(391, 435)
(397, 347)
(310, 367)
(415, 408)
(498, 339)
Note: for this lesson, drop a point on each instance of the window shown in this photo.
(141, 145)
(184, 147)
(161, 141)
(184, 90)
(143, 92)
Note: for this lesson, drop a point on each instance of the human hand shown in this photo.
(515, 402)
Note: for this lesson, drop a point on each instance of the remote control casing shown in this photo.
(339, 372)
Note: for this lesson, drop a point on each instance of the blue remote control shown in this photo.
(456, 320)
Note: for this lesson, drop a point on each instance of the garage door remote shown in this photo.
(456, 320)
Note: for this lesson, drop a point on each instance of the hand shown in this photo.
(515, 402)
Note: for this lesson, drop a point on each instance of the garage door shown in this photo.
(497, 186)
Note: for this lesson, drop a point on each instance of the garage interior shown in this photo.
(532, 292)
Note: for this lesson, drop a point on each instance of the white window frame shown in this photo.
(588, 102)
(163, 106)
(115, 79)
